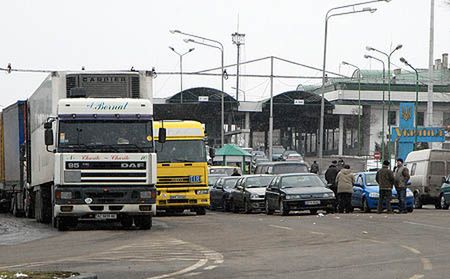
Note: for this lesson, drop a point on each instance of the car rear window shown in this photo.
(290, 168)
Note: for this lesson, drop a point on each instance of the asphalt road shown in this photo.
(226, 245)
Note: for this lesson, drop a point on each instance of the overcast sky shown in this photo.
(66, 35)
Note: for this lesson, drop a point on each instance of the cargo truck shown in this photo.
(182, 167)
(89, 151)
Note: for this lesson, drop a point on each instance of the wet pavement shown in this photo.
(20, 230)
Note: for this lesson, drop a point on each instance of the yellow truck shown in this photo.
(182, 171)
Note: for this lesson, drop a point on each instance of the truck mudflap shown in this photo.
(103, 211)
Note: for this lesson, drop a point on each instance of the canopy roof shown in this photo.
(232, 150)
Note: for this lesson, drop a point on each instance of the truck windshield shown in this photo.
(105, 136)
(173, 151)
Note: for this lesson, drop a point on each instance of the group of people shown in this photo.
(341, 180)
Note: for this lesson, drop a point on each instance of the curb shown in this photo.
(85, 276)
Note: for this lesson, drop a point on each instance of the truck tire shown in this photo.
(126, 222)
(200, 211)
(143, 222)
(61, 224)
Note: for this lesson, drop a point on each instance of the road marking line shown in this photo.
(376, 241)
(414, 250)
(210, 267)
(318, 233)
(192, 274)
(426, 264)
(417, 276)
(188, 269)
(281, 227)
(426, 225)
(218, 262)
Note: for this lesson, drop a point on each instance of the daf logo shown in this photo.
(131, 165)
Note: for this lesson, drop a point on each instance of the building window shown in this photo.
(420, 118)
(392, 118)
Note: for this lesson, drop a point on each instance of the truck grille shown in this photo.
(105, 172)
(173, 179)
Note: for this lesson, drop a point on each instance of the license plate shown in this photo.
(312, 202)
(394, 201)
(177, 197)
(194, 179)
(105, 216)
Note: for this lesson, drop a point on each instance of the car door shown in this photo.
(215, 191)
(276, 194)
(237, 193)
(358, 191)
(270, 191)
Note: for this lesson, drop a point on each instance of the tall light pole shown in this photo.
(181, 67)
(240, 90)
(322, 103)
(222, 101)
(359, 103)
(382, 117)
(403, 60)
(238, 40)
(368, 48)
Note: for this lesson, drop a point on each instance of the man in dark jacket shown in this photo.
(314, 168)
(385, 179)
(330, 176)
(401, 175)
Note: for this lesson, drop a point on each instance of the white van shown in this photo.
(427, 168)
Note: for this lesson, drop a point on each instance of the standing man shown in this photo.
(401, 179)
(330, 176)
(345, 179)
(385, 179)
(314, 168)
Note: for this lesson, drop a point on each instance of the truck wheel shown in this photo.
(200, 211)
(313, 211)
(143, 222)
(417, 201)
(126, 222)
(61, 224)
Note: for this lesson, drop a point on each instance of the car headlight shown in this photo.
(293, 197)
(409, 194)
(201, 192)
(145, 194)
(374, 195)
(328, 195)
(63, 195)
(254, 196)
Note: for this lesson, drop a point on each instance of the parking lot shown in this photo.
(228, 245)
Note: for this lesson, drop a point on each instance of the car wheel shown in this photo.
(444, 204)
(365, 206)
(225, 205)
(212, 206)
(247, 208)
(437, 204)
(417, 201)
(283, 211)
(269, 211)
(313, 211)
(410, 209)
(234, 208)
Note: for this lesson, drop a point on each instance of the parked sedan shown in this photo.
(219, 193)
(366, 193)
(298, 191)
(445, 193)
(248, 193)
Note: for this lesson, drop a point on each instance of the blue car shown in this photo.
(366, 192)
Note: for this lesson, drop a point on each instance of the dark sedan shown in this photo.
(219, 193)
(248, 193)
(289, 192)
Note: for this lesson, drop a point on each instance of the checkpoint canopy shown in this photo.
(233, 155)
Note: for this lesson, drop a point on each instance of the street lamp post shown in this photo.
(222, 101)
(383, 112)
(403, 60)
(240, 90)
(389, 88)
(181, 67)
(359, 103)
(322, 103)
(238, 40)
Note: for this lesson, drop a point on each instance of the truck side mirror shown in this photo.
(48, 136)
(162, 135)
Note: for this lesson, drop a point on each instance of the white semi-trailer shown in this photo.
(90, 153)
